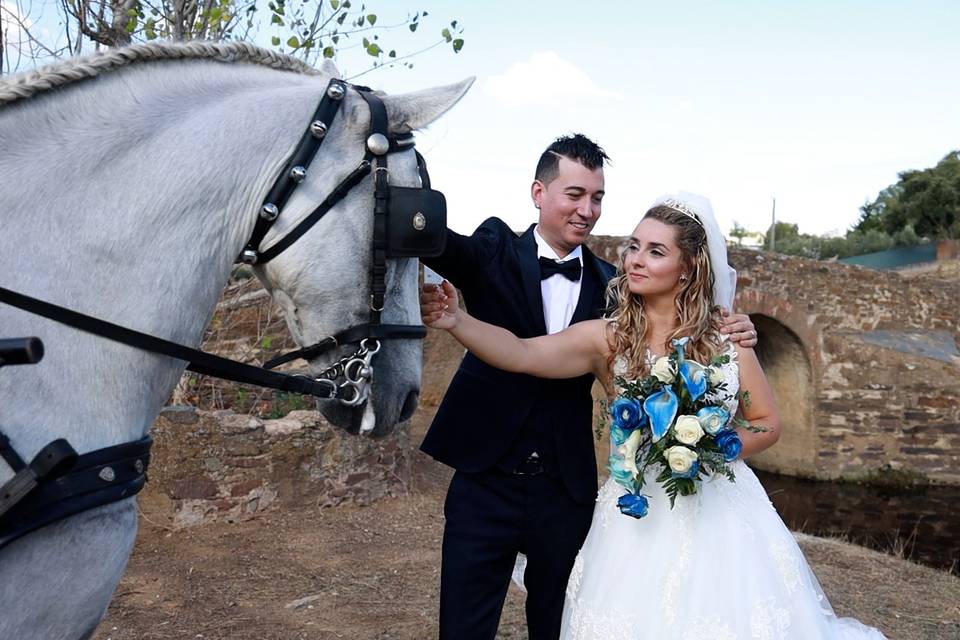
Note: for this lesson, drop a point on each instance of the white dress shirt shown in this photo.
(560, 295)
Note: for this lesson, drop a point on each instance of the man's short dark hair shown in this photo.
(578, 148)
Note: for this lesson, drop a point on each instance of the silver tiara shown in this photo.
(682, 207)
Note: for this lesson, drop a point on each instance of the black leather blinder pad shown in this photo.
(416, 223)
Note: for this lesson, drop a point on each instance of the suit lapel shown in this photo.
(530, 274)
(590, 303)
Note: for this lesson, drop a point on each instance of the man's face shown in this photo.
(569, 205)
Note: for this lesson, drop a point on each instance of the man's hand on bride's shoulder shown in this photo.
(440, 306)
(739, 328)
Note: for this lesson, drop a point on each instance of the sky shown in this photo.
(818, 104)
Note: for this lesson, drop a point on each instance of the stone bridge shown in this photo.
(864, 365)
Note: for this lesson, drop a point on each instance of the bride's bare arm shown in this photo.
(757, 405)
(579, 349)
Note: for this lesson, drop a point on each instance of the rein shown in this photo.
(407, 222)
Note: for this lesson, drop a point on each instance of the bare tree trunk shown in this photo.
(2, 43)
(120, 20)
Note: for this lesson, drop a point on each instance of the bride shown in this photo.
(719, 564)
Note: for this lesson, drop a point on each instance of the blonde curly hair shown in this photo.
(697, 316)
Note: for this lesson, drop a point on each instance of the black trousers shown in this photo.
(490, 517)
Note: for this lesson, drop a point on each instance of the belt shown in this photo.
(532, 466)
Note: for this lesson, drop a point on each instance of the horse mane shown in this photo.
(58, 74)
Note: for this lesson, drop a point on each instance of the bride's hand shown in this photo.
(440, 306)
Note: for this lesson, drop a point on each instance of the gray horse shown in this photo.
(129, 183)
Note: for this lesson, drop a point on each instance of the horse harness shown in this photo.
(407, 222)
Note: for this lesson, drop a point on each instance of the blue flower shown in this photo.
(729, 443)
(633, 505)
(661, 408)
(713, 419)
(678, 345)
(626, 413)
(618, 435)
(694, 378)
(689, 473)
(619, 473)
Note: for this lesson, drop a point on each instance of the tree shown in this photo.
(739, 232)
(927, 201)
(309, 29)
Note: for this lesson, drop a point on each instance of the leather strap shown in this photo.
(97, 478)
(199, 361)
(352, 335)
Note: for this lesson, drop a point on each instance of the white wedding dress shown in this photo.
(720, 565)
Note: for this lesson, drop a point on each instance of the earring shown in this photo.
(683, 277)
(536, 204)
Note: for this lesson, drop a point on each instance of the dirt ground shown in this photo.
(373, 573)
(298, 572)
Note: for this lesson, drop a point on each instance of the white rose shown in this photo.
(680, 458)
(715, 375)
(629, 452)
(688, 430)
(663, 370)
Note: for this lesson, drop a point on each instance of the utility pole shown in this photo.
(773, 226)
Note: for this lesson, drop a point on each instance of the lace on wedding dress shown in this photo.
(721, 565)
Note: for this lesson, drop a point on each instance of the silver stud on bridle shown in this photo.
(318, 129)
(269, 211)
(336, 91)
(378, 144)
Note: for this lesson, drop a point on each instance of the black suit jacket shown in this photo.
(484, 407)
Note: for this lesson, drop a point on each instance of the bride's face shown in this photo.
(652, 261)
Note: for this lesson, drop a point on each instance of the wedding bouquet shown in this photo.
(672, 420)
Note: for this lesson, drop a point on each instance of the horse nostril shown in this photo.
(409, 406)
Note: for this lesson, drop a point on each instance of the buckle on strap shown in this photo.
(53, 461)
(532, 466)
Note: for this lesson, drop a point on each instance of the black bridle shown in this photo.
(407, 222)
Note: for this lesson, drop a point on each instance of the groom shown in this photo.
(522, 447)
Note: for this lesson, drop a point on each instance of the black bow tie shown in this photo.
(569, 269)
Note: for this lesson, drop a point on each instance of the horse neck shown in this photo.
(140, 228)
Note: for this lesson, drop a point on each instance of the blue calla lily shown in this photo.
(678, 345)
(694, 378)
(661, 408)
(626, 413)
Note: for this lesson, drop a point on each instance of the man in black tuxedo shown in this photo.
(522, 447)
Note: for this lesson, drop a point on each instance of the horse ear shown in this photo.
(329, 68)
(416, 110)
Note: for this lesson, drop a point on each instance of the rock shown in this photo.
(301, 602)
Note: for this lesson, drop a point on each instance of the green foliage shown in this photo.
(285, 402)
(739, 232)
(310, 29)
(927, 201)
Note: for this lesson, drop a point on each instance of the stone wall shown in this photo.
(864, 364)
(209, 465)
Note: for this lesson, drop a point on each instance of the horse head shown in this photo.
(316, 281)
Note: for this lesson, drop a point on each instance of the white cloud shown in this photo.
(543, 80)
